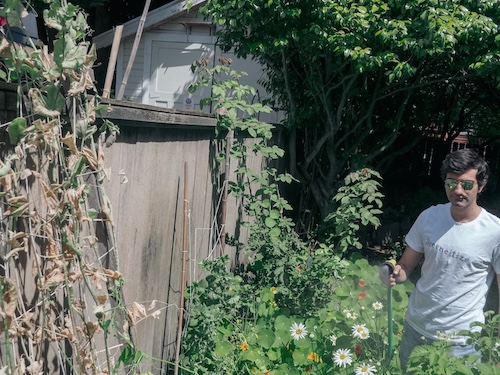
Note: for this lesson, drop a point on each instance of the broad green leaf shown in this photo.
(223, 348)
(265, 337)
(16, 130)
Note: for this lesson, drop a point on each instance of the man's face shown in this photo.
(462, 189)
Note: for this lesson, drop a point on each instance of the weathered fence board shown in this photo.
(146, 190)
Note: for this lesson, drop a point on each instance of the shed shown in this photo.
(175, 35)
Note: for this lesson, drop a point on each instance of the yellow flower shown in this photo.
(274, 290)
(314, 357)
(244, 346)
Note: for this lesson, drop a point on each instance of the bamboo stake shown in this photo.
(135, 47)
(183, 283)
(112, 61)
(229, 139)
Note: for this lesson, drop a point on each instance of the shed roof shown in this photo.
(153, 18)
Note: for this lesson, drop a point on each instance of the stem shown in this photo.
(6, 329)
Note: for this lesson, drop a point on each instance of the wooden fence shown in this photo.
(147, 182)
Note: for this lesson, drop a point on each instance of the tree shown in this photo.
(353, 76)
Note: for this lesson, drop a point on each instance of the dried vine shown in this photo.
(61, 309)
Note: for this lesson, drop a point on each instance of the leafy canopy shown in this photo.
(353, 76)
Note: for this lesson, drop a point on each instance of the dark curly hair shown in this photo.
(462, 160)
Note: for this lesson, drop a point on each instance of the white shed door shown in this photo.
(171, 74)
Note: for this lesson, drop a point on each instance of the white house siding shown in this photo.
(133, 90)
(161, 71)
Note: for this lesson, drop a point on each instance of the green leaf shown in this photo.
(16, 130)
(270, 222)
(300, 356)
(126, 356)
(265, 338)
(282, 323)
(222, 348)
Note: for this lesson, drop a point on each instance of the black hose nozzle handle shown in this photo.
(387, 268)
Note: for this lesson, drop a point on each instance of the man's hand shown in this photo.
(400, 272)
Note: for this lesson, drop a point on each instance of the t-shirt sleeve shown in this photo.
(496, 260)
(414, 237)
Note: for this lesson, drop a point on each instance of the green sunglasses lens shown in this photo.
(467, 185)
(452, 184)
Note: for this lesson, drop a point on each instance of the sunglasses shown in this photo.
(452, 184)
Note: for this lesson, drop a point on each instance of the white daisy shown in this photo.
(333, 339)
(377, 305)
(342, 357)
(359, 331)
(365, 370)
(298, 331)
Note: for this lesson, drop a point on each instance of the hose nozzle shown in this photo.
(387, 268)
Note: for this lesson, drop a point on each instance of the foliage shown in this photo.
(62, 287)
(274, 255)
(235, 329)
(292, 307)
(283, 279)
(435, 359)
(354, 76)
(358, 204)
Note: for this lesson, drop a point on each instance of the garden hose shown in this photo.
(387, 268)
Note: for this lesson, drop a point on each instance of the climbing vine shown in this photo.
(61, 305)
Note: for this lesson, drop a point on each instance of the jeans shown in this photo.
(412, 338)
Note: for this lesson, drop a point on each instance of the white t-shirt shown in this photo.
(461, 260)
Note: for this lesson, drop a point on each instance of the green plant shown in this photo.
(259, 335)
(360, 81)
(435, 359)
(274, 254)
(285, 283)
(357, 203)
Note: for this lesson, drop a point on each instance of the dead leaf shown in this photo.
(92, 328)
(73, 196)
(55, 277)
(156, 314)
(14, 243)
(6, 182)
(4, 45)
(115, 275)
(136, 313)
(50, 196)
(91, 157)
(69, 141)
(152, 305)
(102, 299)
(35, 368)
(51, 249)
(9, 305)
(26, 173)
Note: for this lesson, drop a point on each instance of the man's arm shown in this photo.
(406, 265)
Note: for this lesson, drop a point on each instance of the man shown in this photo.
(459, 243)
